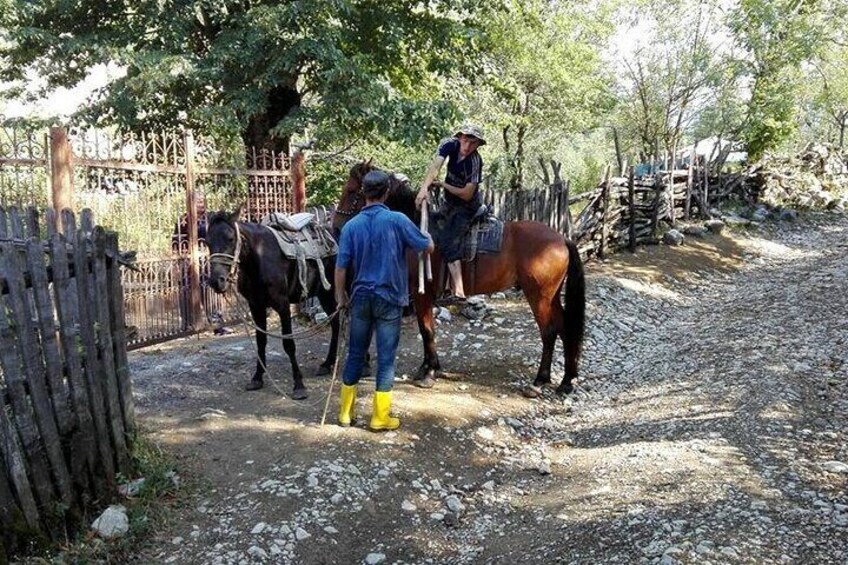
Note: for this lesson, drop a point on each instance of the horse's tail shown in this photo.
(575, 309)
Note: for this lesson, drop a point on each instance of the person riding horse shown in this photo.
(462, 194)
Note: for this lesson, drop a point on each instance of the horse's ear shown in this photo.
(368, 164)
(234, 217)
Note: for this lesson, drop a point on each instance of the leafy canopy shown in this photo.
(335, 69)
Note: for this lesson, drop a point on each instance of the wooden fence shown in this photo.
(619, 212)
(151, 188)
(66, 409)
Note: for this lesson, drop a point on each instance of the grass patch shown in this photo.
(162, 492)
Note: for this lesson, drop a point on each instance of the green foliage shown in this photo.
(778, 38)
(825, 97)
(669, 76)
(771, 113)
(343, 69)
(541, 77)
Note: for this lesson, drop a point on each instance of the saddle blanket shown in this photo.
(301, 238)
(484, 237)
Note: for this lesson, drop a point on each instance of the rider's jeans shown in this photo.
(370, 314)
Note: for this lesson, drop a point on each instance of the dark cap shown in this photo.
(375, 184)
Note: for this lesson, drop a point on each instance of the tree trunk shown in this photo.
(282, 101)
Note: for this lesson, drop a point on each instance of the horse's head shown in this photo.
(352, 199)
(224, 242)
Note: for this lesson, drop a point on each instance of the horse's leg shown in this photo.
(260, 318)
(299, 391)
(430, 369)
(545, 312)
(328, 303)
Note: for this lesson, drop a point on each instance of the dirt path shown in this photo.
(713, 399)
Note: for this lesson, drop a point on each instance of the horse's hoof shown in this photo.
(565, 389)
(539, 383)
(426, 382)
(253, 385)
(421, 372)
(532, 391)
(323, 371)
(300, 394)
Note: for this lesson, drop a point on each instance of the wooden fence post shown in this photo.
(689, 180)
(672, 161)
(61, 170)
(602, 248)
(298, 178)
(631, 197)
(194, 313)
(655, 216)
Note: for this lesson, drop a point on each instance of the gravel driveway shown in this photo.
(708, 425)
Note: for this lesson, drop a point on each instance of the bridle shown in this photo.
(226, 258)
(356, 203)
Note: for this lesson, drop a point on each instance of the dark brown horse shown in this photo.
(267, 279)
(533, 257)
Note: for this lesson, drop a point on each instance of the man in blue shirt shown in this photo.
(462, 194)
(373, 245)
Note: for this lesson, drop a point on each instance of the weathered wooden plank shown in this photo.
(69, 324)
(8, 506)
(632, 209)
(57, 388)
(91, 365)
(16, 387)
(16, 225)
(34, 370)
(605, 220)
(118, 324)
(32, 219)
(50, 221)
(87, 220)
(107, 356)
(13, 465)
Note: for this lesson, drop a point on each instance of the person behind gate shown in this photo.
(373, 246)
(462, 194)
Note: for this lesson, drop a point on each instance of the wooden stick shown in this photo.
(423, 227)
(425, 217)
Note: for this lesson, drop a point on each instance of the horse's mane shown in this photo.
(401, 194)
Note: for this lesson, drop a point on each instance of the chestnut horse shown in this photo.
(533, 257)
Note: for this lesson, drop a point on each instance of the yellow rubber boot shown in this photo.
(346, 405)
(380, 419)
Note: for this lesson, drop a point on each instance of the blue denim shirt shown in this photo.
(374, 243)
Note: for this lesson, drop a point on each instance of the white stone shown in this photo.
(300, 534)
(375, 558)
(258, 528)
(454, 505)
(835, 467)
(112, 523)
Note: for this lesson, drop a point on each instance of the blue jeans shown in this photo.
(370, 314)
